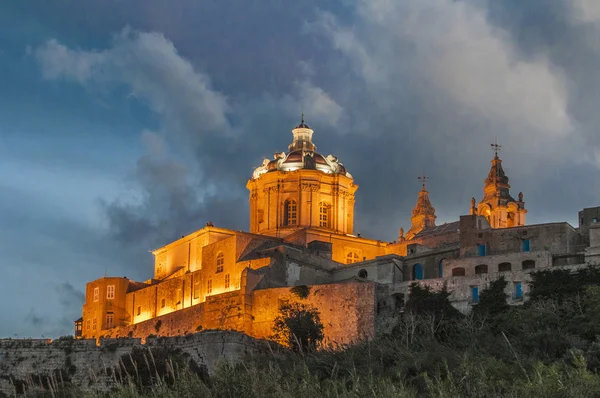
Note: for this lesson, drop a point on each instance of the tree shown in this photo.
(298, 327)
(492, 301)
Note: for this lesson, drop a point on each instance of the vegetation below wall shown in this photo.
(548, 347)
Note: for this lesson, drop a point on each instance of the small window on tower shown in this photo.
(110, 292)
(220, 262)
(139, 311)
(96, 293)
(323, 214)
(163, 303)
(94, 324)
(291, 211)
(227, 281)
(209, 287)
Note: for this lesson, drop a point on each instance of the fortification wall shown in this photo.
(177, 323)
(347, 310)
(30, 364)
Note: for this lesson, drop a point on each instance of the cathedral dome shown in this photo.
(302, 154)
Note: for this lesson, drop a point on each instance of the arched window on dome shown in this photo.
(352, 257)
(290, 212)
(323, 215)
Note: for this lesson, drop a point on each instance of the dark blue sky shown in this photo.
(126, 124)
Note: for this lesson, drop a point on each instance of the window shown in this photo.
(88, 324)
(139, 311)
(227, 281)
(363, 274)
(352, 258)
(290, 212)
(504, 267)
(526, 246)
(481, 250)
(110, 292)
(220, 262)
(518, 291)
(96, 293)
(481, 269)
(441, 268)
(323, 214)
(209, 286)
(196, 290)
(94, 324)
(474, 294)
(458, 271)
(163, 302)
(528, 264)
(110, 318)
(417, 272)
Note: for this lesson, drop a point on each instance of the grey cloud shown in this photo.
(34, 319)
(69, 297)
(397, 89)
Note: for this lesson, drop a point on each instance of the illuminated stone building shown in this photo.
(301, 233)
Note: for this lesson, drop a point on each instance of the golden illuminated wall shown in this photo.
(99, 304)
(321, 200)
(216, 271)
(344, 249)
(186, 253)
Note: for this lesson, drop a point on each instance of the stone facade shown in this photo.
(86, 365)
(301, 223)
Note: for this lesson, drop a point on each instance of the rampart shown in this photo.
(27, 364)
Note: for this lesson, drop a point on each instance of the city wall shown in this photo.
(29, 364)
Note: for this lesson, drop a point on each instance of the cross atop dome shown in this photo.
(302, 125)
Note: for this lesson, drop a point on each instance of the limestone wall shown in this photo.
(347, 310)
(86, 365)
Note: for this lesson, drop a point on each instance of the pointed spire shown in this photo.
(423, 214)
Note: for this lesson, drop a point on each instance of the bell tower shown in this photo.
(498, 206)
(423, 215)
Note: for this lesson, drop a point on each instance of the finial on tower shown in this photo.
(423, 178)
(496, 147)
(302, 121)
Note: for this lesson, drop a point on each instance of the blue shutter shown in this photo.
(481, 250)
(526, 246)
(441, 269)
(418, 272)
(518, 291)
(475, 294)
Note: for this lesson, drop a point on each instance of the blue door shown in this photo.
(518, 291)
(526, 247)
(417, 272)
(481, 250)
(475, 294)
(441, 269)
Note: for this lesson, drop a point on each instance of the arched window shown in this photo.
(417, 272)
(458, 271)
(504, 267)
(528, 264)
(441, 268)
(220, 261)
(481, 269)
(363, 274)
(290, 212)
(352, 258)
(323, 215)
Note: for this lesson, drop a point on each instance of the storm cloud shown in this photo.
(187, 99)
